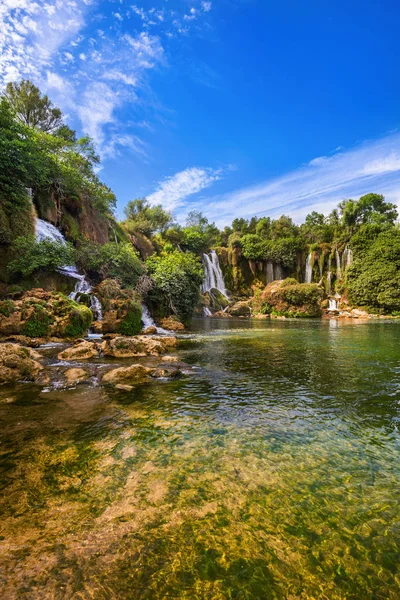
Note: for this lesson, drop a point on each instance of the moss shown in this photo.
(131, 324)
(70, 227)
(38, 324)
(7, 307)
(80, 319)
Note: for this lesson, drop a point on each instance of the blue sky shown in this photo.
(232, 107)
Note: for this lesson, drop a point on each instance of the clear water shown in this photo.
(271, 472)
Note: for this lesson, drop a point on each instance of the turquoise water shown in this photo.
(271, 471)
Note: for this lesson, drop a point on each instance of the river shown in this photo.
(271, 471)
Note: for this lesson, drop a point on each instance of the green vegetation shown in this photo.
(293, 299)
(177, 277)
(373, 279)
(111, 260)
(32, 256)
(38, 324)
(131, 324)
(80, 319)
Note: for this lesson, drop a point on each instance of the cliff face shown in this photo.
(73, 215)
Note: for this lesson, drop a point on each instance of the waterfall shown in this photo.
(149, 322)
(278, 272)
(308, 275)
(213, 277)
(45, 230)
(333, 304)
(207, 312)
(329, 276)
(270, 272)
(338, 265)
(347, 258)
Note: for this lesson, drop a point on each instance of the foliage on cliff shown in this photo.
(109, 260)
(292, 299)
(373, 279)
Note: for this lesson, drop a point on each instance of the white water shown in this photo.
(329, 276)
(270, 272)
(149, 322)
(213, 277)
(338, 265)
(207, 312)
(44, 230)
(308, 275)
(347, 258)
(333, 304)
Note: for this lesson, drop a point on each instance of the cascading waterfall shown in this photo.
(329, 276)
(347, 258)
(338, 265)
(270, 272)
(333, 304)
(308, 274)
(207, 312)
(213, 277)
(44, 230)
(149, 322)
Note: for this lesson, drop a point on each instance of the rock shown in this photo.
(166, 371)
(127, 375)
(141, 345)
(357, 313)
(16, 363)
(81, 351)
(151, 330)
(170, 358)
(240, 309)
(221, 315)
(124, 388)
(172, 324)
(75, 376)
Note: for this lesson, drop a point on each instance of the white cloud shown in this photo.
(320, 185)
(206, 6)
(173, 191)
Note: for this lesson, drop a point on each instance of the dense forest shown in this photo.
(47, 172)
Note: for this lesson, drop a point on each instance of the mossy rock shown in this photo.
(38, 324)
(80, 318)
(131, 323)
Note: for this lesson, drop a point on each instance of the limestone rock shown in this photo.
(16, 363)
(166, 371)
(172, 324)
(76, 375)
(240, 309)
(81, 351)
(124, 387)
(127, 375)
(150, 330)
(141, 345)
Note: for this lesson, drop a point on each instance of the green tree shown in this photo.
(45, 256)
(33, 108)
(141, 216)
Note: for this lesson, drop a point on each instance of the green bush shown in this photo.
(7, 307)
(31, 256)
(293, 300)
(281, 251)
(177, 278)
(111, 260)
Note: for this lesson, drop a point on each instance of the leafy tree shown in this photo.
(33, 108)
(147, 219)
(283, 228)
(196, 219)
(177, 278)
(263, 228)
(371, 208)
(241, 225)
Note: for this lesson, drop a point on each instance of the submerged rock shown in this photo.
(81, 351)
(127, 375)
(166, 371)
(151, 330)
(141, 345)
(18, 362)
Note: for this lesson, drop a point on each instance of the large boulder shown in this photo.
(240, 309)
(218, 300)
(40, 314)
(18, 363)
(289, 299)
(76, 375)
(122, 311)
(172, 324)
(81, 351)
(127, 375)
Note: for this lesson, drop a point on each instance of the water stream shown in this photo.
(213, 276)
(309, 272)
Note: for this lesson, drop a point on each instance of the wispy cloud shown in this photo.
(173, 191)
(320, 185)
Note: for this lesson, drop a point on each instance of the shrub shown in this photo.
(110, 261)
(177, 278)
(31, 256)
(7, 307)
(293, 300)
